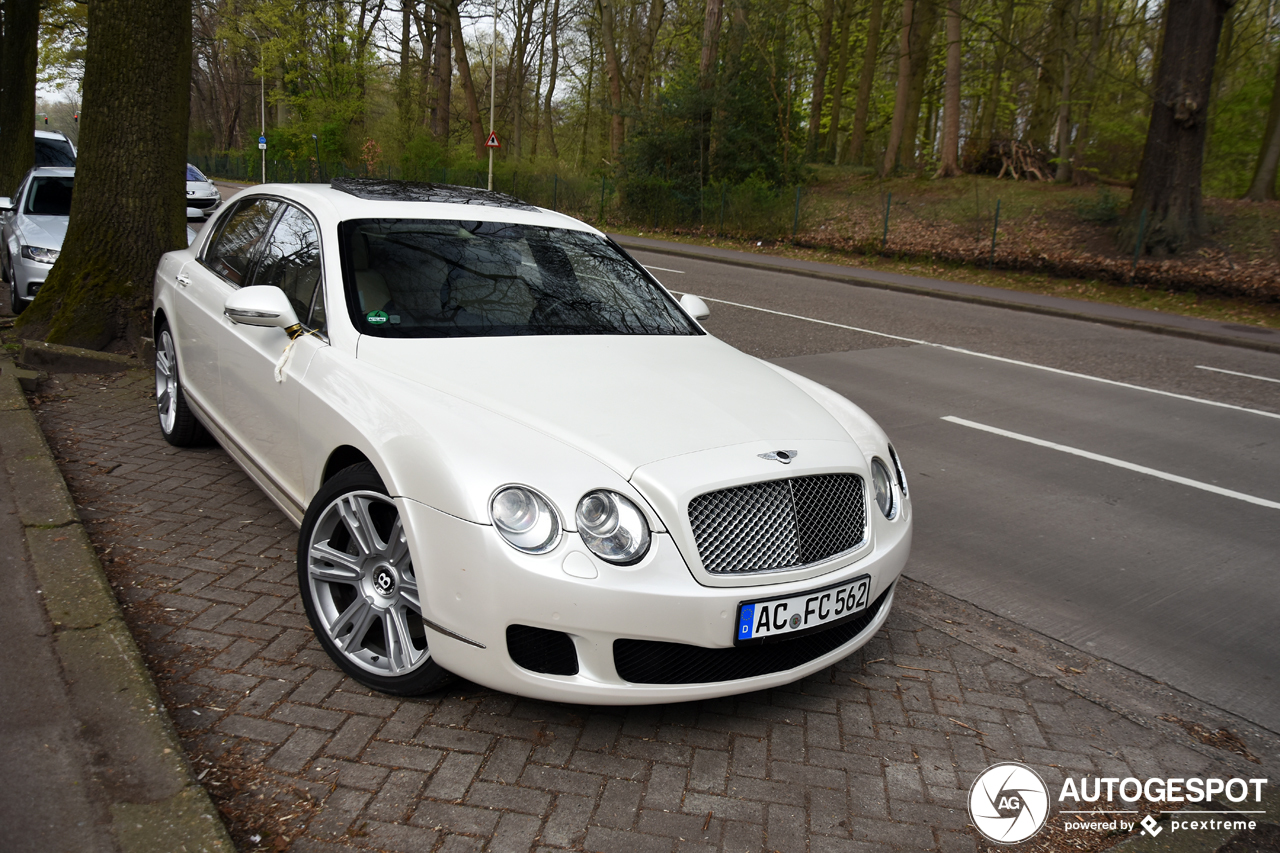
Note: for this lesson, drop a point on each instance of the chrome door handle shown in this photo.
(182, 279)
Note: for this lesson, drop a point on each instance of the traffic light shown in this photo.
(46, 119)
(76, 116)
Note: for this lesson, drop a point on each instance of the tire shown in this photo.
(15, 304)
(177, 422)
(362, 597)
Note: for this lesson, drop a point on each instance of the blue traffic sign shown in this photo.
(262, 140)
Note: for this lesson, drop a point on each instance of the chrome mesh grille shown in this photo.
(779, 524)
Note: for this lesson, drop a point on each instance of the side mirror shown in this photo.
(6, 203)
(261, 305)
(695, 307)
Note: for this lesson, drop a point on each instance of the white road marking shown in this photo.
(1119, 463)
(664, 269)
(964, 351)
(1235, 373)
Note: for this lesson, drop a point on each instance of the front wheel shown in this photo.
(359, 587)
(177, 421)
(16, 303)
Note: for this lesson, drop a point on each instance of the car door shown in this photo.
(9, 227)
(260, 382)
(202, 287)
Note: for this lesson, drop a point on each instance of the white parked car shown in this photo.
(33, 224)
(203, 197)
(514, 456)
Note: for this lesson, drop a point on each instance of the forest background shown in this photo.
(829, 123)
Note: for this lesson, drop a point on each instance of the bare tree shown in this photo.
(464, 76)
(821, 59)
(950, 165)
(870, 56)
(551, 80)
(1167, 194)
(1263, 185)
(842, 70)
(902, 94)
(18, 92)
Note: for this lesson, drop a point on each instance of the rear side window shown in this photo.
(291, 261)
(233, 251)
(49, 197)
(54, 152)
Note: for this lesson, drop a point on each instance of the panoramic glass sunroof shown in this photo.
(377, 189)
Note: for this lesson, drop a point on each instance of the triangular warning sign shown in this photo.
(493, 140)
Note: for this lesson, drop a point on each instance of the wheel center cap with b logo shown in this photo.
(1009, 802)
(384, 581)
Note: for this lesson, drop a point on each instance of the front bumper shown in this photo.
(29, 276)
(475, 586)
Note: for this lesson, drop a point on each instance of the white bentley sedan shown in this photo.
(514, 456)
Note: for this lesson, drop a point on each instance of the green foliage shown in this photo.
(1103, 209)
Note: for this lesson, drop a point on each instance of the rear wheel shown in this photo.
(359, 586)
(177, 421)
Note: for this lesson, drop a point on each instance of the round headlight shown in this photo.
(612, 527)
(525, 519)
(884, 487)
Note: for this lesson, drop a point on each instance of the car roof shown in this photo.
(54, 171)
(52, 134)
(380, 199)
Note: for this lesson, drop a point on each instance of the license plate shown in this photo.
(789, 615)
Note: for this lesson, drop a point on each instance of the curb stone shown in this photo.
(157, 807)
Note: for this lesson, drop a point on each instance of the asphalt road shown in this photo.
(1096, 484)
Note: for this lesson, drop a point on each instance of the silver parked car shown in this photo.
(203, 197)
(34, 223)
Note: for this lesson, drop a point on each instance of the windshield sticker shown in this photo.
(376, 318)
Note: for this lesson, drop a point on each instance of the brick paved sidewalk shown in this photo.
(876, 753)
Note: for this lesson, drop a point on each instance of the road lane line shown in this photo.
(1119, 463)
(664, 269)
(1236, 373)
(1014, 361)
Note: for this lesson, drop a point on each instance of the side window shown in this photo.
(234, 249)
(291, 260)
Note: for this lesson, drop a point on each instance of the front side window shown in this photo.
(421, 278)
(233, 251)
(291, 261)
(49, 196)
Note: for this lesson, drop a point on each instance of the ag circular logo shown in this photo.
(1008, 802)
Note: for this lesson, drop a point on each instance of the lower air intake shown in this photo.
(540, 650)
(650, 662)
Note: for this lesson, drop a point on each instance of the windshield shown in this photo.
(193, 174)
(54, 152)
(49, 197)
(417, 278)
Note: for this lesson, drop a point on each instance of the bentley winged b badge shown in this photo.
(783, 456)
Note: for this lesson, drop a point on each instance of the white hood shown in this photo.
(627, 400)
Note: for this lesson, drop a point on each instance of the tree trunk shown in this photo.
(1263, 185)
(464, 75)
(129, 206)
(902, 93)
(950, 165)
(710, 42)
(404, 80)
(1081, 142)
(926, 19)
(551, 81)
(613, 70)
(821, 59)
(858, 134)
(18, 92)
(982, 136)
(842, 71)
(1049, 84)
(444, 77)
(1168, 185)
